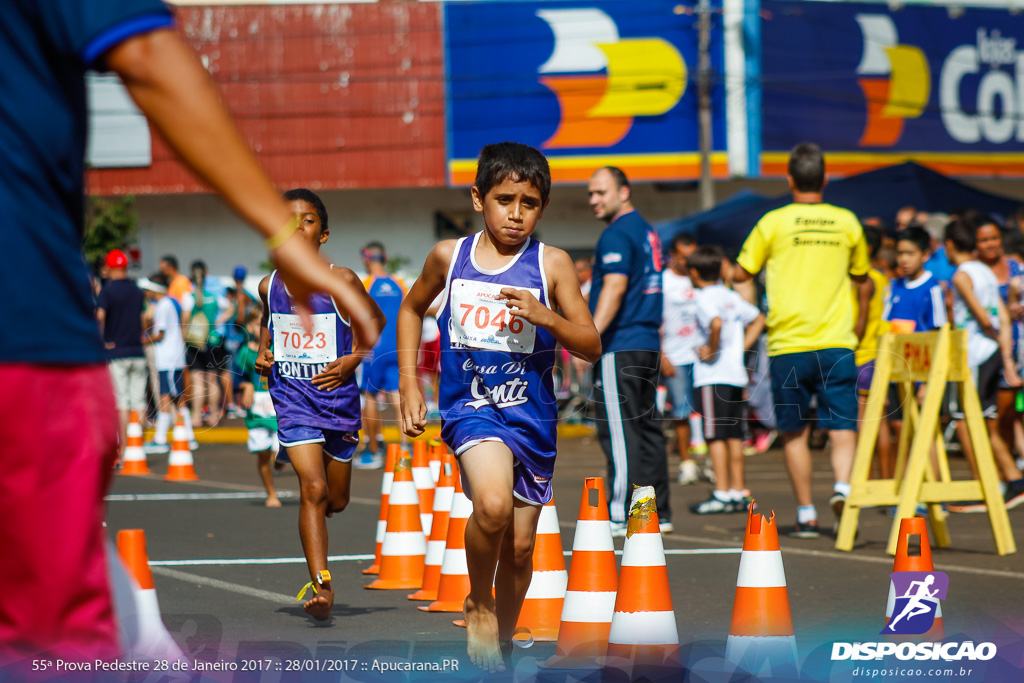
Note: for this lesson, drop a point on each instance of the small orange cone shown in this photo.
(761, 634)
(134, 461)
(424, 484)
(404, 550)
(436, 457)
(905, 562)
(180, 466)
(142, 629)
(542, 607)
(593, 581)
(443, 497)
(394, 451)
(453, 587)
(643, 639)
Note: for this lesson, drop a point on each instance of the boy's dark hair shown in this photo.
(303, 195)
(159, 278)
(916, 235)
(807, 167)
(201, 265)
(683, 239)
(618, 175)
(873, 238)
(963, 235)
(172, 261)
(501, 161)
(375, 251)
(707, 261)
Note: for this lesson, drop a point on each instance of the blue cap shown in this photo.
(240, 273)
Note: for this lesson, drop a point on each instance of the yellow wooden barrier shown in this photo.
(935, 358)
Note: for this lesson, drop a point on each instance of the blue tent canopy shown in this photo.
(690, 225)
(881, 193)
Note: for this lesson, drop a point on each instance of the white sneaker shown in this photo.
(666, 527)
(688, 472)
(618, 529)
(708, 471)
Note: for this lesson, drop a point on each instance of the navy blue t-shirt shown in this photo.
(121, 301)
(45, 50)
(630, 247)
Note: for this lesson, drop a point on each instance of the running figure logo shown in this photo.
(917, 600)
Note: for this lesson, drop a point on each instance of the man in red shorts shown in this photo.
(57, 413)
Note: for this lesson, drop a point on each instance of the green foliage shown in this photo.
(396, 263)
(109, 224)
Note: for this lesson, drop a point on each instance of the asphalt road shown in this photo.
(227, 570)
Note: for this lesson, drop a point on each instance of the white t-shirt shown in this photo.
(169, 352)
(735, 313)
(679, 334)
(986, 289)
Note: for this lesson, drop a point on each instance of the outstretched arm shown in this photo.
(174, 91)
(428, 285)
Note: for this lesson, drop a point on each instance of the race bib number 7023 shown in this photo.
(294, 344)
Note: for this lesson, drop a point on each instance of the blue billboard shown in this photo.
(588, 83)
(875, 85)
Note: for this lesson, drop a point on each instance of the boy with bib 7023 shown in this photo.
(500, 290)
(315, 395)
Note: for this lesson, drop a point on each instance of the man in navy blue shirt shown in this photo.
(119, 312)
(626, 302)
(55, 597)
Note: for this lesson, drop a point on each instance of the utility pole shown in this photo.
(706, 183)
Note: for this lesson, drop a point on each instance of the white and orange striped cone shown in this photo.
(404, 550)
(643, 639)
(394, 452)
(436, 458)
(905, 562)
(180, 466)
(424, 484)
(453, 586)
(142, 630)
(542, 608)
(443, 497)
(593, 581)
(761, 638)
(134, 461)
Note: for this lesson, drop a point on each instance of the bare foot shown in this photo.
(482, 637)
(273, 502)
(319, 607)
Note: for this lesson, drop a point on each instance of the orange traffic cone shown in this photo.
(142, 630)
(761, 634)
(394, 450)
(643, 639)
(134, 461)
(593, 580)
(542, 607)
(404, 549)
(905, 562)
(443, 497)
(180, 466)
(436, 457)
(453, 586)
(424, 484)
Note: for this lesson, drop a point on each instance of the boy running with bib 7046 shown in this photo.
(315, 394)
(500, 293)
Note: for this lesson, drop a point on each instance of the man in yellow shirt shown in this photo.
(811, 251)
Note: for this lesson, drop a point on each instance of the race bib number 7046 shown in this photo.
(481, 320)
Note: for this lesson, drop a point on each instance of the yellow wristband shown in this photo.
(282, 235)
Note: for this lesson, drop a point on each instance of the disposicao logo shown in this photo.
(917, 601)
(603, 81)
(895, 79)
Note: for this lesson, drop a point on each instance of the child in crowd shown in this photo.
(315, 394)
(730, 325)
(500, 292)
(679, 337)
(169, 358)
(260, 417)
(978, 308)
